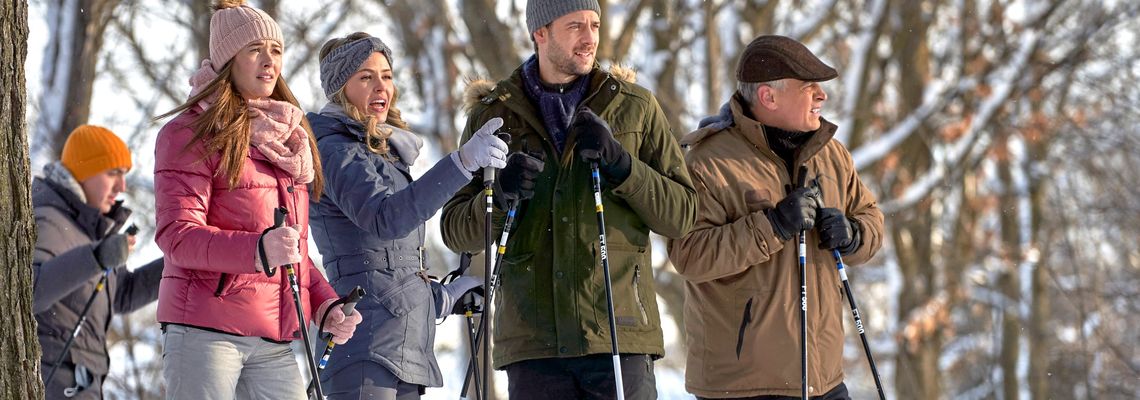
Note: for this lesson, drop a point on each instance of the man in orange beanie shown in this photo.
(79, 252)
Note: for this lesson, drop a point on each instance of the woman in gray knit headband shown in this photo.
(369, 224)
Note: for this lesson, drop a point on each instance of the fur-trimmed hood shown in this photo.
(479, 89)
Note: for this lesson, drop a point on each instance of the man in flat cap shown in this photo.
(767, 169)
(551, 324)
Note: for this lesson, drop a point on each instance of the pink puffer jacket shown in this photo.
(208, 233)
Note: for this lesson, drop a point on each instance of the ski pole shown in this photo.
(132, 230)
(348, 307)
(488, 241)
(278, 220)
(803, 315)
(858, 320)
(512, 212)
(803, 300)
(472, 338)
(472, 333)
(78, 325)
(606, 270)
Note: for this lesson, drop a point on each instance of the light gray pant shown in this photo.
(199, 364)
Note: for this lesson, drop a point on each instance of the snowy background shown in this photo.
(1000, 137)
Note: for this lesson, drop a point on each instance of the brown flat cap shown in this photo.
(773, 57)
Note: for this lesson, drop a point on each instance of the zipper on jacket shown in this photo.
(221, 285)
(637, 294)
(744, 321)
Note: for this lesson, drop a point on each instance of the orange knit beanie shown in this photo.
(93, 149)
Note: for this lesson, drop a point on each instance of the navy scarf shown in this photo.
(556, 103)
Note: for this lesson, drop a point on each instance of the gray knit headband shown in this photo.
(343, 61)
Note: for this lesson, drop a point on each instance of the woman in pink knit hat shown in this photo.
(238, 149)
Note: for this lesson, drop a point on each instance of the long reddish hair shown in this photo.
(224, 127)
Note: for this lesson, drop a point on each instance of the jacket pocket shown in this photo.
(637, 294)
(744, 321)
(635, 307)
(408, 293)
(517, 302)
(221, 285)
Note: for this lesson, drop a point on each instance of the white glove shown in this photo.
(484, 149)
(451, 292)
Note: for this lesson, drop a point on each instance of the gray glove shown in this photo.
(451, 292)
(111, 252)
(484, 149)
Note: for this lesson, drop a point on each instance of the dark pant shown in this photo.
(368, 380)
(839, 393)
(587, 377)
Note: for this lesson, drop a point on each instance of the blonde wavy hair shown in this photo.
(377, 137)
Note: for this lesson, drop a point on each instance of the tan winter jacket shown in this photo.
(742, 283)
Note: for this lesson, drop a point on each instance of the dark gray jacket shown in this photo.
(66, 273)
(369, 228)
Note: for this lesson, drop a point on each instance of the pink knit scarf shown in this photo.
(275, 128)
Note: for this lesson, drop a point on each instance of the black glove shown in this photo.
(836, 231)
(795, 213)
(111, 252)
(595, 142)
(516, 180)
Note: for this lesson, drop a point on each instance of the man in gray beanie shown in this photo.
(551, 330)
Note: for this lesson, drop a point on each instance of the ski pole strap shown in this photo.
(278, 220)
(269, 271)
(464, 263)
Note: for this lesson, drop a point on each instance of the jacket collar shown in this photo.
(58, 189)
(333, 120)
(753, 131)
(602, 90)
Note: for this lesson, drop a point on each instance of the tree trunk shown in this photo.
(916, 375)
(620, 47)
(200, 11)
(713, 59)
(75, 44)
(1009, 283)
(669, 18)
(19, 347)
(485, 27)
(1040, 312)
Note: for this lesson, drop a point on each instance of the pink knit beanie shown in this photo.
(236, 24)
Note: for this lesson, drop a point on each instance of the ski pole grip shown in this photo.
(132, 230)
(279, 216)
(353, 297)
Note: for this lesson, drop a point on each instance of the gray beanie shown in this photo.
(539, 13)
(342, 62)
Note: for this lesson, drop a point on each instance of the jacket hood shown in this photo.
(64, 182)
(333, 120)
(58, 189)
(478, 89)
